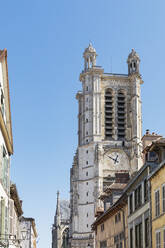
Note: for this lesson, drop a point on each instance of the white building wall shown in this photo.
(4, 162)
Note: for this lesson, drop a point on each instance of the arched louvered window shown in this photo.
(108, 114)
(121, 115)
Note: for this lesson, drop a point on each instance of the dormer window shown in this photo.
(152, 157)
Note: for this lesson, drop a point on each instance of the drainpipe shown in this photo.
(150, 213)
(124, 227)
(30, 243)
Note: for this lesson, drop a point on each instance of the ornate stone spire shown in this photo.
(58, 214)
(133, 62)
(89, 57)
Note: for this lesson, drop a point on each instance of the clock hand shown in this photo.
(111, 158)
(116, 161)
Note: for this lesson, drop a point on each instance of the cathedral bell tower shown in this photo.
(109, 139)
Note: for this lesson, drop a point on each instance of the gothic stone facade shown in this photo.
(109, 139)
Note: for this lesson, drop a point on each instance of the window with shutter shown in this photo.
(103, 244)
(4, 165)
(158, 244)
(146, 232)
(11, 216)
(164, 238)
(6, 220)
(5, 170)
(2, 226)
(130, 204)
(139, 236)
(145, 190)
(2, 102)
(163, 198)
(157, 203)
(1, 163)
(131, 238)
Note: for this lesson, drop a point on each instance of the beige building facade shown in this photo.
(157, 188)
(111, 228)
(109, 139)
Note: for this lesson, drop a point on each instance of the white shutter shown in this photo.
(6, 220)
(11, 216)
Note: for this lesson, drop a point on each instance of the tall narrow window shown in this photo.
(131, 238)
(121, 115)
(157, 203)
(130, 204)
(163, 198)
(158, 244)
(103, 244)
(145, 190)
(102, 227)
(2, 102)
(164, 238)
(139, 236)
(146, 232)
(138, 196)
(108, 115)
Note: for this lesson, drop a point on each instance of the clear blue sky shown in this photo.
(45, 42)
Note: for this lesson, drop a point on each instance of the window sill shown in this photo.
(159, 216)
(139, 207)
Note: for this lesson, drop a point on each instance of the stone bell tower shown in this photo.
(109, 139)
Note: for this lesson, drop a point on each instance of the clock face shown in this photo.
(116, 159)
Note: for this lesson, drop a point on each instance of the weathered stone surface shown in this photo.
(97, 157)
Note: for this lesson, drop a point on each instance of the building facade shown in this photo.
(15, 212)
(28, 226)
(139, 229)
(109, 139)
(111, 228)
(157, 185)
(6, 148)
(10, 204)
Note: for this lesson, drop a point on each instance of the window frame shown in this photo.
(163, 198)
(146, 232)
(146, 198)
(131, 203)
(158, 238)
(102, 227)
(164, 237)
(157, 204)
(131, 237)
